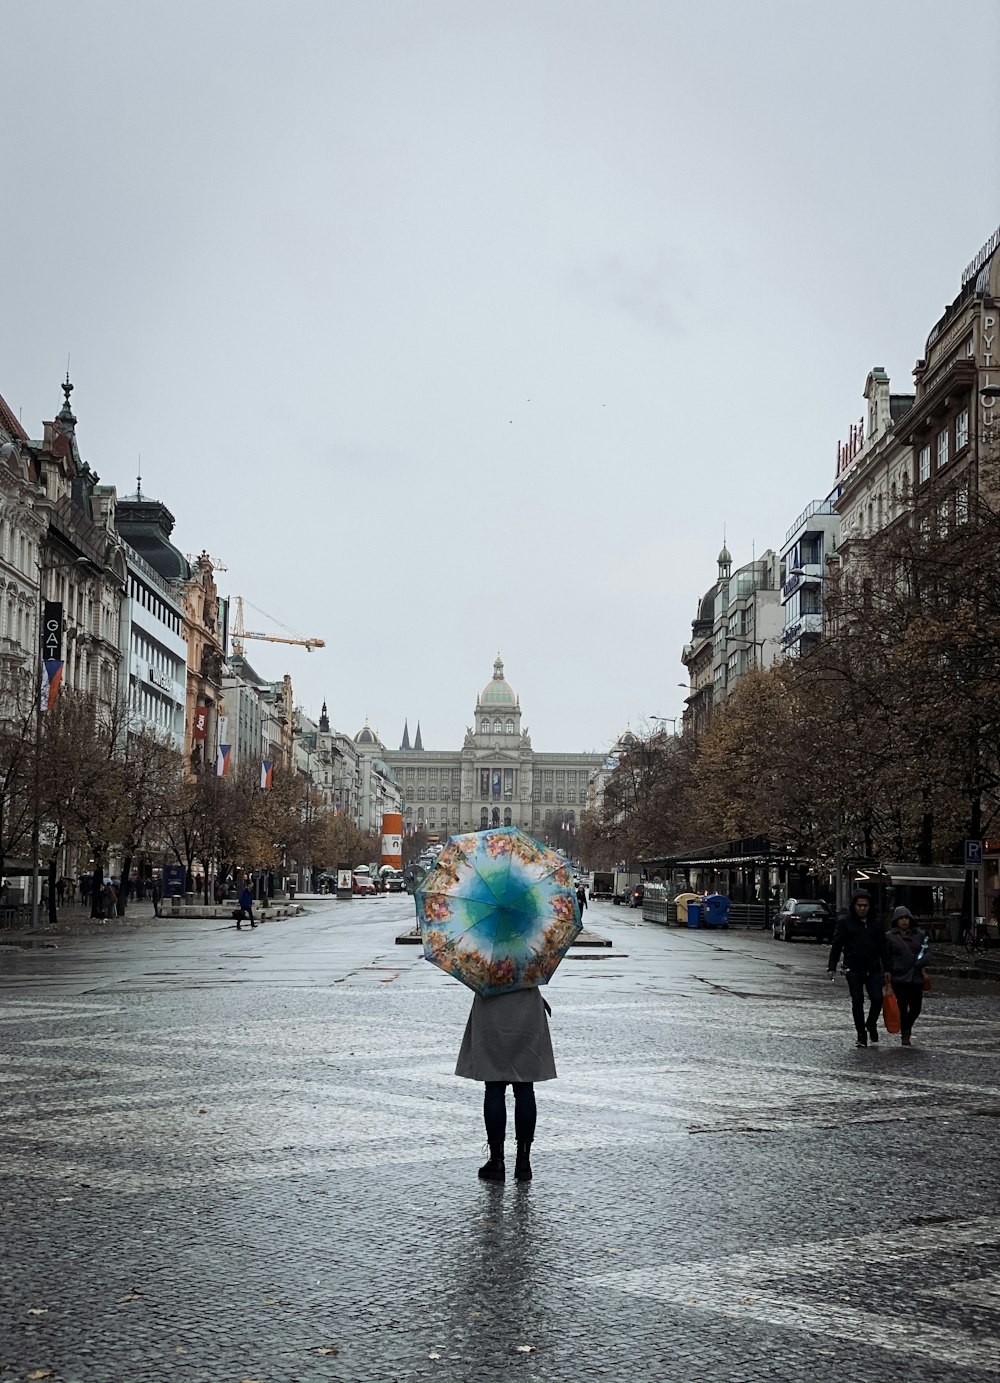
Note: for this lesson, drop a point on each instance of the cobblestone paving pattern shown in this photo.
(232, 1156)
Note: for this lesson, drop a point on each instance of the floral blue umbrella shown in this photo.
(497, 910)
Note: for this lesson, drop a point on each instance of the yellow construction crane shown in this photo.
(239, 633)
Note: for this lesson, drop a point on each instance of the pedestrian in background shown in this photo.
(112, 897)
(860, 938)
(581, 896)
(245, 902)
(906, 949)
(507, 1042)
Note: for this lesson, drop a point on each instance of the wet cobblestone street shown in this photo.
(233, 1156)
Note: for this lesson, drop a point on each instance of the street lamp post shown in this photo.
(667, 720)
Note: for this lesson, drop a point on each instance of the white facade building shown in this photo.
(154, 651)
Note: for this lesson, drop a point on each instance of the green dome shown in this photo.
(498, 692)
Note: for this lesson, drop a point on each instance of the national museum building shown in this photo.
(495, 779)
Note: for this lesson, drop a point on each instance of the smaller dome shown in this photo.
(725, 557)
(365, 736)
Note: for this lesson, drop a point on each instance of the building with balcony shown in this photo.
(738, 627)
(810, 543)
(874, 467)
(496, 778)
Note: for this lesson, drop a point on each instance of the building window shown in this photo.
(497, 727)
(943, 517)
(510, 727)
(484, 726)
(506, 816)
(962, 430)
(925, 464)
(496, 816)
(962, 505)
(942, 448)
(484, 818)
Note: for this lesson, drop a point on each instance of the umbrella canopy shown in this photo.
(497, 910)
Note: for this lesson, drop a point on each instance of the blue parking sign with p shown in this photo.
(973, 852)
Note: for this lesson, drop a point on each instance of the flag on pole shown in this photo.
(222, 761)
(52, 671)
(266, 770)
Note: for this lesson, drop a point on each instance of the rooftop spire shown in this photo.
(418, 742)
(406, 735)
(66, 417)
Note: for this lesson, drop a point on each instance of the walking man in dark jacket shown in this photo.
(860, 938)
(245, 905)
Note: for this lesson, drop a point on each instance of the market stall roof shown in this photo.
(749, 850)
(898, 874)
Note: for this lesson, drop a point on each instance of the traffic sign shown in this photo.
(973, 853)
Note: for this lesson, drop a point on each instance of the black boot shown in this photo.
(494, 1170)
(522, 1167)
(873, 1031)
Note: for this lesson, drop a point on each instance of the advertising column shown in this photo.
(392, 840)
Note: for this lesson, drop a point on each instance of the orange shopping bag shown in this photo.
(890, 1011)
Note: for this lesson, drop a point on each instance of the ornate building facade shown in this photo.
(495, 779)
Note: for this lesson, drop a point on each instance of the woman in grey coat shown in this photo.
(507, 1042)
(906, 946)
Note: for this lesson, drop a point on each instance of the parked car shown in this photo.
(361, 884)
(804, 917)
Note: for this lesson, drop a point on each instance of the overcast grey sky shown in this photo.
(454, 327)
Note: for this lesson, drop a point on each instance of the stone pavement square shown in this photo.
(233, 1156)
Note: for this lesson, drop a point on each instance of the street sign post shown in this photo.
(973, 854)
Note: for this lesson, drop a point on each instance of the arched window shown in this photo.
(506, 816)
(497, 727)
(496, 816)
(484, 818)
(484, 726)
(510, 726)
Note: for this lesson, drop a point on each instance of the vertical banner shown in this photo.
(51, 651)
(266, 773)
(222, 760)
(200, 723)
(392, 839)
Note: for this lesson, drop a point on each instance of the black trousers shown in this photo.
(910, 998)
(857, 983)
(495, 1111)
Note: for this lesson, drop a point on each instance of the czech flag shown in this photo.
(266, 770)
(52, 672)
(222, 761)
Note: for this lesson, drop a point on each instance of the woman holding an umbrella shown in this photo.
(498, 912)
(507, 1042)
